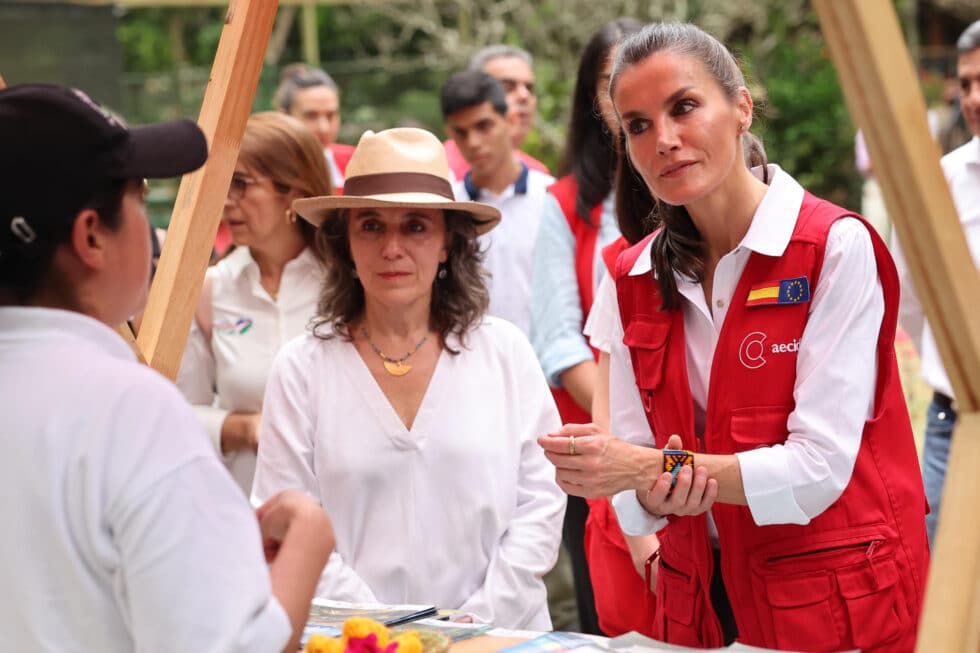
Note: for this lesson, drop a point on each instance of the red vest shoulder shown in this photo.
(341, 155)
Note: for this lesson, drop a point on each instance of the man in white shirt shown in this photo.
(474, 107)
(962, 170)
(122, 531)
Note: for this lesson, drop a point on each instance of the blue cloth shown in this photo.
(935, 456)
(556, 310)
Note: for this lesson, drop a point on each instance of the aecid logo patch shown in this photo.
(751, 353)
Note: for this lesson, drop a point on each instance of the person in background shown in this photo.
(756, 355)
(118, 514)
(262, 294)
(474, 109)
(962, 170)
(311, 95)
(578, 221)
(513, 68)
(409, 414)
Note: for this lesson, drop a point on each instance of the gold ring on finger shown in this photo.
(571, 445)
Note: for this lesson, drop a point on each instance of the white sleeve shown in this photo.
(600, 326)
(512, 593)
(191, 568)
(792, 483)
(911, 315)
(196, 380)
(556, 307)
(285, 460)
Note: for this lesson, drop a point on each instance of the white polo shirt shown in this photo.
(122, 530)
(510, 245)
(793, 482)
(962, 170)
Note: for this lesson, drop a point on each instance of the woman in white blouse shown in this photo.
(262, 294)
(410, 414)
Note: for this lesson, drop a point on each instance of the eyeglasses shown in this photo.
(239, 184)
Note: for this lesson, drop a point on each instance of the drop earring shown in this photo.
(442, 273)
(290, 217)
(354, 272)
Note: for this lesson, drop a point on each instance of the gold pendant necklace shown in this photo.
(394, 366)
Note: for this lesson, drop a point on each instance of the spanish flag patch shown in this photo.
(787, 291)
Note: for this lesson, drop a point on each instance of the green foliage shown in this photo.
(805, 124)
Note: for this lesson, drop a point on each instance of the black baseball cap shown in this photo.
(58, 147)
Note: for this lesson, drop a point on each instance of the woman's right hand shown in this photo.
(240, 431)
(277, 515)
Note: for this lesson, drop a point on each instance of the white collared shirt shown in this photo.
(794, 482)
(962, 170)
(510, 246)
(122, 531)
(336, 175)
(248, 327)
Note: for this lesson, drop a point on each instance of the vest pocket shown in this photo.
(827, 593)
(647, 342)
(801, 611)
(759, 426)
(680, 597)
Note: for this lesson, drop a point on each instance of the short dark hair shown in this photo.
(472, 88)
(459, 300)
(970, 39)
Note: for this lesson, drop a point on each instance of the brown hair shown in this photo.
(458, 301)
(678, 246)
(281, 148)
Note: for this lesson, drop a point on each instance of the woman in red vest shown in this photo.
(761, 410)
(579, 220)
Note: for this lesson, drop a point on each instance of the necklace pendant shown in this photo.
(397, 368)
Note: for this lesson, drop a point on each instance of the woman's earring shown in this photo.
(354, 272)
(290, 217)
(442, 273)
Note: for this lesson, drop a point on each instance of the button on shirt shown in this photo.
(556, 307)
(510, 245)
(962, 170)
(794, 482)
(248, 327)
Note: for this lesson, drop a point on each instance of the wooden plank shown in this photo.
(311, 40)
(951, 619)
(883, 95)
(126, 332)
(197, 210)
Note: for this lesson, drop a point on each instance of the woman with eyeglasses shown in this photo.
(263, 293)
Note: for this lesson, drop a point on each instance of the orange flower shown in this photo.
(409, 642)
(323, 644)
(361, 627)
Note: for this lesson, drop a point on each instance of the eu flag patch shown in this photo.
(787, 291)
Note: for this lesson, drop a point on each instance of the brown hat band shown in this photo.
(386, 183)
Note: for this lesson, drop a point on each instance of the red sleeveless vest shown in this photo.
(854, 577)
(621, 598)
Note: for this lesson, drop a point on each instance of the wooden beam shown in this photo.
(883, 95)
(197, 210)
(311, 40)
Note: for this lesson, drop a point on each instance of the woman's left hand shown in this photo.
(589, 463)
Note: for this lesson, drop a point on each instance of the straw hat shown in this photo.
(397, 168)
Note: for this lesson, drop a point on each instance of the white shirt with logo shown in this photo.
(793, 482)
(122, 530)
(962, 170)
(248, 327)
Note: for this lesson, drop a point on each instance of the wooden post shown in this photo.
(197, 211)
(311, 40)
(883, 95)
